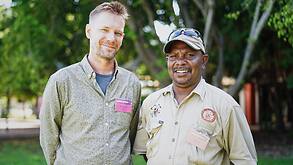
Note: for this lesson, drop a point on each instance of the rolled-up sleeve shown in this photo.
(238, 139)
(50, 117)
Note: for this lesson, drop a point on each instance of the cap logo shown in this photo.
(208, 115)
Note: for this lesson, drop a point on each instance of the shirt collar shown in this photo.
(199, 89)
(89, 70)
(167, 90)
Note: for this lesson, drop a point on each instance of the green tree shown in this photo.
(282, 22)
(38, 37)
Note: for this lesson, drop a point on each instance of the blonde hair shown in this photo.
(114, 7)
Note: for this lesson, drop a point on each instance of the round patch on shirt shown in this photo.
(208, 115)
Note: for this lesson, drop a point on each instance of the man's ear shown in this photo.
(205, 59)
(87, 31)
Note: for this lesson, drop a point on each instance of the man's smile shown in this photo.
(181, 70)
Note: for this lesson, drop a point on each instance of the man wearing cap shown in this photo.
(191, 121)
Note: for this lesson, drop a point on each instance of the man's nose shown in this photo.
(110, 36)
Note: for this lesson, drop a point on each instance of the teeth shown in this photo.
(181, 71)
(108, 46)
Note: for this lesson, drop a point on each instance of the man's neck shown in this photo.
(182, 92)
(101, 65)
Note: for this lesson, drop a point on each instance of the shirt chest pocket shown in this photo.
(123, 110)
(205, 156)
(153, 129)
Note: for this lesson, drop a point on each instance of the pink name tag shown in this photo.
(197, 139)
(123, 105)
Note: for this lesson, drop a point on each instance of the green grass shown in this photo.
(28, 152)
(138, 160)
(265, 160)
(21, 152)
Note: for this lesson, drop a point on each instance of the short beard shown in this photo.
(107, 56)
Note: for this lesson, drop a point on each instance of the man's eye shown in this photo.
(104, 30)
(118, 34)
(172, 57)
(190, 56)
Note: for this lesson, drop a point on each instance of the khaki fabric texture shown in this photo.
(164, 126)
(79, 124)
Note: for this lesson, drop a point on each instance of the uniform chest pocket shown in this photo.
(153, 129)
(212, 131)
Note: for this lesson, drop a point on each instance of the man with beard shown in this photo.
(89, 111)
(190, 121)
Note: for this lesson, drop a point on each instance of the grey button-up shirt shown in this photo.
(82, 126)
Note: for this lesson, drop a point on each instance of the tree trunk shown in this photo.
(217, 79)
(208, 24)
(256, 27)
(7, 108)
(188, 21)
(145, 52)
(8, 102)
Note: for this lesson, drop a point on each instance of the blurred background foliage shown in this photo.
(246, 40)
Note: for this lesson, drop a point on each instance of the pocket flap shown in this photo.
(154, 126)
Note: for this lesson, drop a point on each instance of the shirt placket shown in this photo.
(106, 120)
(108, 108)
(175, 122)
(106, 131)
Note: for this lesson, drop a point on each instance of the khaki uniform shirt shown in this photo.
(176, 134)
(82, 126)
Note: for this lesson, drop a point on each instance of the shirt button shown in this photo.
(106, 124)
(107, 104)
(173, 139)
(176, 122)
(107, 144)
